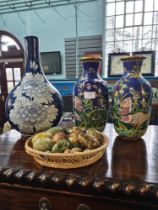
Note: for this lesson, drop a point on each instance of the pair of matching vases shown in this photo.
(35, 105)
(131, 99)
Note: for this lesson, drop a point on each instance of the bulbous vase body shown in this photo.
(132, 97)
(34, 104)
(90, 97)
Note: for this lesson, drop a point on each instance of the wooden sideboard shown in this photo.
(125, 178)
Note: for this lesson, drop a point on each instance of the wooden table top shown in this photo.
(128, 167)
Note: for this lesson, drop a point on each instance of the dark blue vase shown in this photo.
(34, 104)
(91, 97)
(132, 99)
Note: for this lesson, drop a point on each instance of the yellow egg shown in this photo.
(41, 136)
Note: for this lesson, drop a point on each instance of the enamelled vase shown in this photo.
(34, 104)
(132, 97)
(91, 96)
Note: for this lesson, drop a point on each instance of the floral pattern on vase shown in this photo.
(91, 97)
(132, 97)
(34, 104)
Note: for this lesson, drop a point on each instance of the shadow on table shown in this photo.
(129, 159)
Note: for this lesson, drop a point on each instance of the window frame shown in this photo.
(143, 36)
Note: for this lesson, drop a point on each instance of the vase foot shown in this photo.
(129, 138)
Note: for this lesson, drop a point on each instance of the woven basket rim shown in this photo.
(28, 149)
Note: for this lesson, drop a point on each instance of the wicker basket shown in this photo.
(66, 160)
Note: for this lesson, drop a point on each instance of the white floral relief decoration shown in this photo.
(32, 109)
(33, 65)
(34, 86)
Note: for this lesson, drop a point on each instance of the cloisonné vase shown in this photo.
(132, 97)
(90, 96)
(34, 104)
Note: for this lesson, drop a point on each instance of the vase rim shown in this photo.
(90, 58)
(26, 37)
(133, 58)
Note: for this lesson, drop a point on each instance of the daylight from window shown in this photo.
(6, 42)
(131, 26)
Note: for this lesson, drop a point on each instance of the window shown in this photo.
(131, 25)
(7, 42)
(13, 77)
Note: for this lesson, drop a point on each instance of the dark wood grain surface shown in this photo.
(123, 159)
(128, 169)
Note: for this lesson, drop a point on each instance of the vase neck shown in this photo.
(90, 70)
(32, 54)
(132, 68)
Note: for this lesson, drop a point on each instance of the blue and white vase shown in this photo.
(33, 105)
(91, 96)
(132, 97)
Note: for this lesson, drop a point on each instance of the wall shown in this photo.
(52, 26)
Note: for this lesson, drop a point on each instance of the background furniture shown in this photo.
(125, 178)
